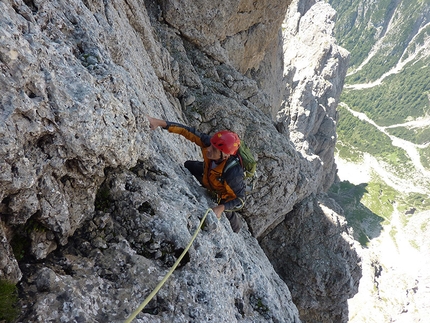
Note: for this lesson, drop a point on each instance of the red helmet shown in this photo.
(226, 141)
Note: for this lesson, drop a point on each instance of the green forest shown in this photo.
(398, 99)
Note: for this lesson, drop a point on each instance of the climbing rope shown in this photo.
(161, 283)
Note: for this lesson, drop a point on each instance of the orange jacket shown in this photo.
(229, 187)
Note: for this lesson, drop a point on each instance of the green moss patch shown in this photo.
(8, 300)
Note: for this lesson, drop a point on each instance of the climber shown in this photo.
(216, 150)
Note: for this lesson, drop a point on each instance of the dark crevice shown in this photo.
(44, 141)
(146, 208)
(31, 5)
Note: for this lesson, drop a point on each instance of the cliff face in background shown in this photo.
(96, 208)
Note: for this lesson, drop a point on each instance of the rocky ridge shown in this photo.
(95, 208)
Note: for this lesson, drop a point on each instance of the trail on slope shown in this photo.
(420, 122)
(423, 50)
(410, 148)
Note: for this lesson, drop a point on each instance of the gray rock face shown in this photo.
(107, 205)
(313, 247)
(310, 108)
(63, 119)
(118, 257)
(9, 269)
(235, 32)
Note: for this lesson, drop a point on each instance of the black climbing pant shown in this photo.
(196, 169)
(235, 222)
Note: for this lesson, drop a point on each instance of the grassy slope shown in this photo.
(369, 206)
(356, 136)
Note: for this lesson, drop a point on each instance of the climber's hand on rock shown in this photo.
(155, 123)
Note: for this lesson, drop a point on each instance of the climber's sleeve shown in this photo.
(200, 139)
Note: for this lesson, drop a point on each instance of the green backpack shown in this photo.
(246, 159)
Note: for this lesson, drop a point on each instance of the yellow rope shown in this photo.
(161, 283)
